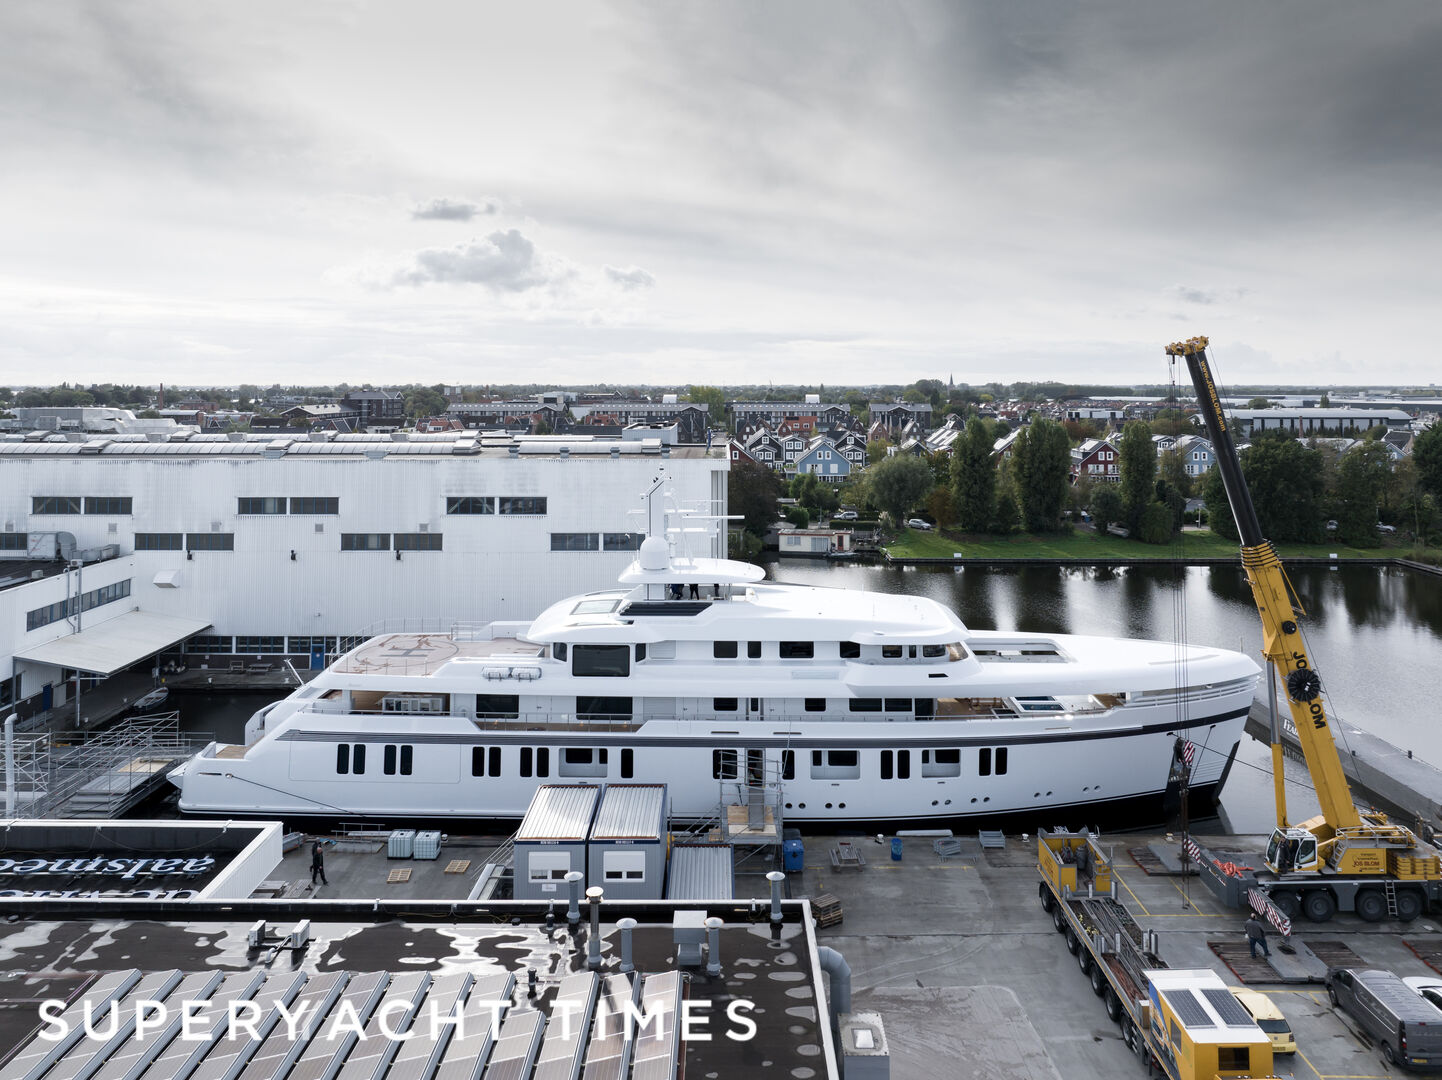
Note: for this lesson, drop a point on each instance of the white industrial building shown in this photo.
(236, 546)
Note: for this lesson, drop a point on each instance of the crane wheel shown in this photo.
(1371, 905)
(1318, 905)
(1409, 904)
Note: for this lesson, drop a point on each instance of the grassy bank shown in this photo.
(1086, 544)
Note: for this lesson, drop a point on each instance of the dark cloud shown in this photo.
(631, 277)
(504, 261)
(443, 209)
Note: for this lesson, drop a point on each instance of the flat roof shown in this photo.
(702, 872)
(115, 644)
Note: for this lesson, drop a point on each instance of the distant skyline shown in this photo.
(719, 193)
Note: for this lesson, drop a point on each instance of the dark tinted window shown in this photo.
(723, 650)
(898, 704)
(497, 706)
(601, 660)
(797, 650)
(342, 758)
(725, 704)
(983, 762)
(865, 704)
(816, 704)
(850, 650)
(628, 763)
(753, 650)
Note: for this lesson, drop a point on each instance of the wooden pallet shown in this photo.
(846, 856)
(826, 910)
(458, 866)
(395, 877)
(1429, 951)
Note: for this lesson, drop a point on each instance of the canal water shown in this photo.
(1374, 635)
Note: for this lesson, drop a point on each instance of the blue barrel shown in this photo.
(896, 849)
(793, 856)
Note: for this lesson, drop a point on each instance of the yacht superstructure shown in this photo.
(858, 706)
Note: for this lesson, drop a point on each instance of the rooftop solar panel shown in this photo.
(34, 1059)
(272, 1057)
(128, 1060)
(1190, 1011)
(181, 1057)
(1227, 1007)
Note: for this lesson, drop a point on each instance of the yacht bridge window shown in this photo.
(612, 661)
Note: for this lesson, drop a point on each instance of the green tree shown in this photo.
(752, 491)
(798, 516)
(1326, 402)
(898, 484)
(1042, 454)
(1106, 507)
(876, 450)
(1138, 471)
(715, 402)
(1172, 468)
(425, 401)
(1362, 478)
(1155, 526)
(1427, 458)
(973, 478)
(1285, 481)
(1259, 403)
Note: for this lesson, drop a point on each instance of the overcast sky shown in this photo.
(717, 192)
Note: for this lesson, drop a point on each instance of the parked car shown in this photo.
(1268, 1017)
(1386, 528)
(917, 523)
(1331, 526)
(1407, 1028)
(1429, 986)
(847, 515)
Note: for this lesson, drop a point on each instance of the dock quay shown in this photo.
(955, 952)
(1404, 785)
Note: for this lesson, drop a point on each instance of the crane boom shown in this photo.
(1281, 637)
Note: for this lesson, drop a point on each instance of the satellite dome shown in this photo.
(655, 554)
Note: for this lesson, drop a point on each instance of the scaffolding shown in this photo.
(103, 774)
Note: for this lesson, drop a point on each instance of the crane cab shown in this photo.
(1292, 849)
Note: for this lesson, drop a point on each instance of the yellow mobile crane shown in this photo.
(1342, 859)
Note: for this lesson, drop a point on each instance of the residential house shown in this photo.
(822, 458)
(743, 414)
(1196, 453)
(851, 445)
(1002, 448)
(378, 410)
(506, 415)
(766, 449)
(737, 452)
(1096, 459)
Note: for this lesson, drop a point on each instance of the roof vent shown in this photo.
(235, 436)
(615, 451)
(376, 455)
(515, 449)
(565, 451)
(155, 436)
(317, 436)
(400, 436)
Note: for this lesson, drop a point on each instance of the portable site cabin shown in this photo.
(551, 841)
(1201, 1030)
(627, 852)
(702, 872)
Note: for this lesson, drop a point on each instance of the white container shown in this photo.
(401, 844)
(428, 845)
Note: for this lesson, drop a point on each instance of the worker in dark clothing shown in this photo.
(695, 591)
(1257, 935)
(317, 864)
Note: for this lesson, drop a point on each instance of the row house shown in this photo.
(691, 419)
(817, 415)
(896, 415)
(1001, 449)
(822, 458)
(506, 415)
(1096, 459)
(1196, 454)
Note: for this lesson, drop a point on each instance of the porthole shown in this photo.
(788, 806)
(828, 806)
(841, 806)
(973, 798)
(1036, 794)
(935, 803)
(801, 806)
(948, 802)
(987, 799)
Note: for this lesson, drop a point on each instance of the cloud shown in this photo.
(443, 209)
(506, 261)
(631, 277)
(1192, 295)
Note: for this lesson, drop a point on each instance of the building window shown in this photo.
(527, 504)
(621, 542)
(65, 609)
(107, 504)
(303, 645)
(210, 541)
(208, 643)
(260, 506)
(470, 504)
(426, 541)
(312, 505)
(797, 650)
(723, 650)
(723, 765)
(575, 542)
(624, 865)
(365, 541)
(55, 504)
(14, 541)
(159, 541)
(612, 661)
(498, 706)
(260, 643)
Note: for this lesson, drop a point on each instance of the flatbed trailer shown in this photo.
(1184, 1023)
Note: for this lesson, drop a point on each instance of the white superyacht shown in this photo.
(847, 706)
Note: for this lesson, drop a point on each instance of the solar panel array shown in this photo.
(1227, 1007)
(254, 1025)
(1189, 1010)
